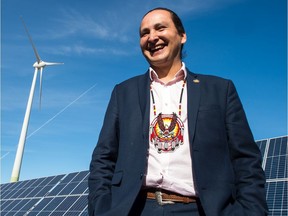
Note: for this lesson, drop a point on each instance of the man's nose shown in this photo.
(153, 36)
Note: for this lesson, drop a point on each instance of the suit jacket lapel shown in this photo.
(144, 100)
(193, 101)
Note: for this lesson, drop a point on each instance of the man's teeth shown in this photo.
(157, 47)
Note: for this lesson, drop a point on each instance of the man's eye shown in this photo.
(143, 34)
(161, 28)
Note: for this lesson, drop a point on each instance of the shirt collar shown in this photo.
(180, 75)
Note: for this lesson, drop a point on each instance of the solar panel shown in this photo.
(275, 164)
(66, 195)
(62, 201)
(55, 195)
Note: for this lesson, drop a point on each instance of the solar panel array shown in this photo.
(66, 195)
(275, 164)
(56, 196)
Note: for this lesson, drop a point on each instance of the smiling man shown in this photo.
(174, 142)
(161, 43)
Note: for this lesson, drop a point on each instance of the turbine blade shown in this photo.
(40, 87)
(34, 48)
(53, 63)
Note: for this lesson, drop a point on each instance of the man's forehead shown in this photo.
(157, 13)
(156, 17)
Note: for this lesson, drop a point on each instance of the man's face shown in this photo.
(160, 41)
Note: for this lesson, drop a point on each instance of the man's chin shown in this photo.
(158, 64)
(156, 59)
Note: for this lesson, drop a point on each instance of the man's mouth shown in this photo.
(156, 48)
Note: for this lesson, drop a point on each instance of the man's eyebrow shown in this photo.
(144, 29)
(156, 25)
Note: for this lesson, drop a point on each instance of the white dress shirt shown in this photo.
(171, 170)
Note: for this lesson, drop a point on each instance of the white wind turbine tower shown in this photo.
(38, 65)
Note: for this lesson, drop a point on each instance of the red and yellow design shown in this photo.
(166, 132)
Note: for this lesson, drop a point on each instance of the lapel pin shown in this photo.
(196, 81)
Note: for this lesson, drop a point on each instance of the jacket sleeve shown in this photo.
(103, 161)
(246, 160)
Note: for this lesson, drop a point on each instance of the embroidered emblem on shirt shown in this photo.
(166, 132)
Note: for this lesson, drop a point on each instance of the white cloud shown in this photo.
(82, 49)
(73, 22)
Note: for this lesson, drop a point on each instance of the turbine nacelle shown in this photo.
(42, 64)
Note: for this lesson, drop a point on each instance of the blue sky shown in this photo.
(98, 41)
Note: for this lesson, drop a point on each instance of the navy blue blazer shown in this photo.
(226, 161)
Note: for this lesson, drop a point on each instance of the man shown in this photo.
(174, 142)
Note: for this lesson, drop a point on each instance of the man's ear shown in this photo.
(184, 38)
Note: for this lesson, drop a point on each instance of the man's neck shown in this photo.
(167, 73)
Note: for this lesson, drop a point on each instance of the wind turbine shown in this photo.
(38, 65)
